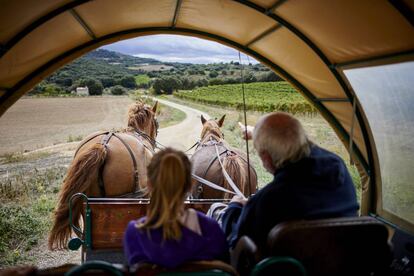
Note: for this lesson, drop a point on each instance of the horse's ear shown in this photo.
(220, 122)
(154, 108)
(203, 120)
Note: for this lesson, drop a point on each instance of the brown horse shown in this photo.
(206, 164)
(107, 164)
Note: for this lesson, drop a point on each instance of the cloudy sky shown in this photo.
(177, 48)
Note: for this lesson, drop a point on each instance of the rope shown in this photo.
(245, 121)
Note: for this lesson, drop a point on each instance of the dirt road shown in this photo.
(183, 135)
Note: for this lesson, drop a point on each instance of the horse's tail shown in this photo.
(235, 168)
(82, 173)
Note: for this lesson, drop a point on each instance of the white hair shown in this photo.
(283, 137)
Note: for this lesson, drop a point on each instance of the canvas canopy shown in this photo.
(318, 46)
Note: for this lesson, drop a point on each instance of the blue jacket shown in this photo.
(315, 187)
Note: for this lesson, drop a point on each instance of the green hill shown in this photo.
(102, 68)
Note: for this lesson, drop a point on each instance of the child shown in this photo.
(169, 234)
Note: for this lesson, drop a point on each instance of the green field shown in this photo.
(260, 96)
(142, 79)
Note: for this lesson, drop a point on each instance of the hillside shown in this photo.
(112, 57)
(101, 69)
(98, 64)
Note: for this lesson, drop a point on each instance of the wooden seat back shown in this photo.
(110, 217)
(343, 246)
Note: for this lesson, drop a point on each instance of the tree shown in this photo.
(95, 87)
(166, 85)
(270, 76)
(213, 74)
(192, 72)
(66, 82)
(107, 82)
(118, 90)
(187, 84)
(249, 77)
(128, 82)
(202, 82)
(45, 88)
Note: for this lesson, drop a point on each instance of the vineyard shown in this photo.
(260, 96)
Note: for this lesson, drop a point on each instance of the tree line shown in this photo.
(104, 71)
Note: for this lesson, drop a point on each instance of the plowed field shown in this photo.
(34, 123)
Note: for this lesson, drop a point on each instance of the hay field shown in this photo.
(34, 123)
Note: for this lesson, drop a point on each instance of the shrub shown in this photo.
(166, 85)
(118, 90)
(213, 74)
(107, 82)
(20, 229)
(128, 82)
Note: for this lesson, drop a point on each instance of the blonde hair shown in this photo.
(169, 175)
(283, 137)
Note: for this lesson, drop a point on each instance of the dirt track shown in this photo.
(183, 135)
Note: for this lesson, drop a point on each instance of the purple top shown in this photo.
(140, 247)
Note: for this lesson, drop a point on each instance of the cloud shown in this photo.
(177, 48)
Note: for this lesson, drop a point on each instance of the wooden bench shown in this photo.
(105, 221)
(337, 246)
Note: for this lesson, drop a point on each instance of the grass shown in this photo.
(27, 200)
(15, 157)
(74, 138)
(142, 79)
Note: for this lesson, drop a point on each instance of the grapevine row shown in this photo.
(260, 96)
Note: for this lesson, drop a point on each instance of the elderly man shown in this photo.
(309, 182)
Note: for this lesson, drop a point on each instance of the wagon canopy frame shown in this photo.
(311, 44)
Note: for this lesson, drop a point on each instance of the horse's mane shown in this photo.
(211, 130)
(139, 115)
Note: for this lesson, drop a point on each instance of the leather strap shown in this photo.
(134, 162)
(81, 145)
(104, 142)
(199, 189)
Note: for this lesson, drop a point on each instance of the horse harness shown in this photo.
(211, 142)
(107, 136)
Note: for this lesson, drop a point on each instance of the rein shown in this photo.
(227, 176)
(138, 134)
(212, 185)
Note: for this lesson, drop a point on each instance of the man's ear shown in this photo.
(220, 122)
(267, 161)
(203, 120)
